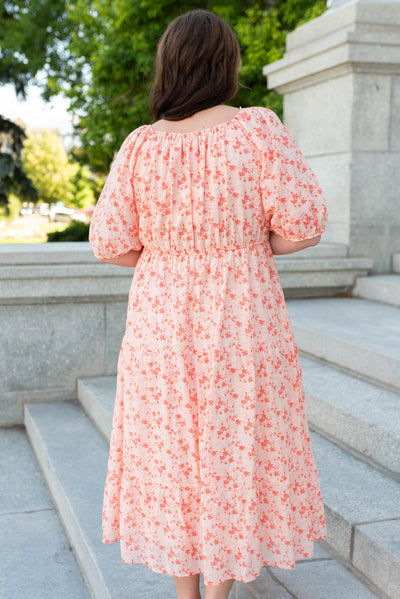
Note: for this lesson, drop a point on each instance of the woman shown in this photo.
(210, 467)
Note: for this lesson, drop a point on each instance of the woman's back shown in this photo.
(210, 428)
(220, 187)
(199, 190)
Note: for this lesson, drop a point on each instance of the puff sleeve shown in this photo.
(292, 197)
(114, 229)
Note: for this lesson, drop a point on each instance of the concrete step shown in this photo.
(36, 559)
(362, 507)
(20, 284)
(80, 252)
(58, 271)
(65, 252)
(302, 276)
(73, 458)
(354, 492)
(355, 334)
(379, 288)
(360, 416)
(97, 395)
(396, 262)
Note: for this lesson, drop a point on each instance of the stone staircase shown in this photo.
(351, 368)
(350, 355)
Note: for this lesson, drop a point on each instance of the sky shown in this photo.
(34, 111)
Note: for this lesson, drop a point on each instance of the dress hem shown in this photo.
(245, 579)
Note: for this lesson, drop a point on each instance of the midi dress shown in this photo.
(210, 464)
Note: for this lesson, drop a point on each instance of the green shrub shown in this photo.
(76, 231)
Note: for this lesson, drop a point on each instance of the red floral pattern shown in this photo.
(210, 467)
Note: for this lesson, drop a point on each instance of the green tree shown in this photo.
(262, 30)
(85, 186)
(100, 55)
(46, 163)
(32, 37)
(112, 93)
(12, 176)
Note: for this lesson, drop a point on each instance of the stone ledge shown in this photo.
(57, 283)
(46, 346)
(80, 252)
(12, 402)
(74, 290)
(322, 277)
(62, 271)
(97, 398)
(322, 250)
(354, 492)
(285, 264)
(338, 18)
(46, 253)
(64, 283)
(315, 579)
(379, 288)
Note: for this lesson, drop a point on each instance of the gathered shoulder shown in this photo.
(263, 126)
(262, 116)
(130, 144)
(134, 136)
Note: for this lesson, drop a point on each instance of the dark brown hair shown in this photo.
(197, 65)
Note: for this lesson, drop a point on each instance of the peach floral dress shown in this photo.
(210, 466)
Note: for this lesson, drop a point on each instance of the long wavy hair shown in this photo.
(197, 64)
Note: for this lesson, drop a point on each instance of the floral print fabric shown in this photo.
(210, 466)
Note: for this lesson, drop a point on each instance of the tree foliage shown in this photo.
(56, 177)
(32, 36)
(46, 163)
(86, 187)
(100, 54)
(12, 176)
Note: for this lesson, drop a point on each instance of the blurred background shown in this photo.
(74, 82)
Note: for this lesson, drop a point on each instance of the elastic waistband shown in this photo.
(212, 250)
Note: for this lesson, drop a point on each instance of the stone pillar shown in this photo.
(340, 77)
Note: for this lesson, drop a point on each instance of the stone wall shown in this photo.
(340, 77)
(62, 317)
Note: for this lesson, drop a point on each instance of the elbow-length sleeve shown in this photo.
(292, 197)
(114, 229)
